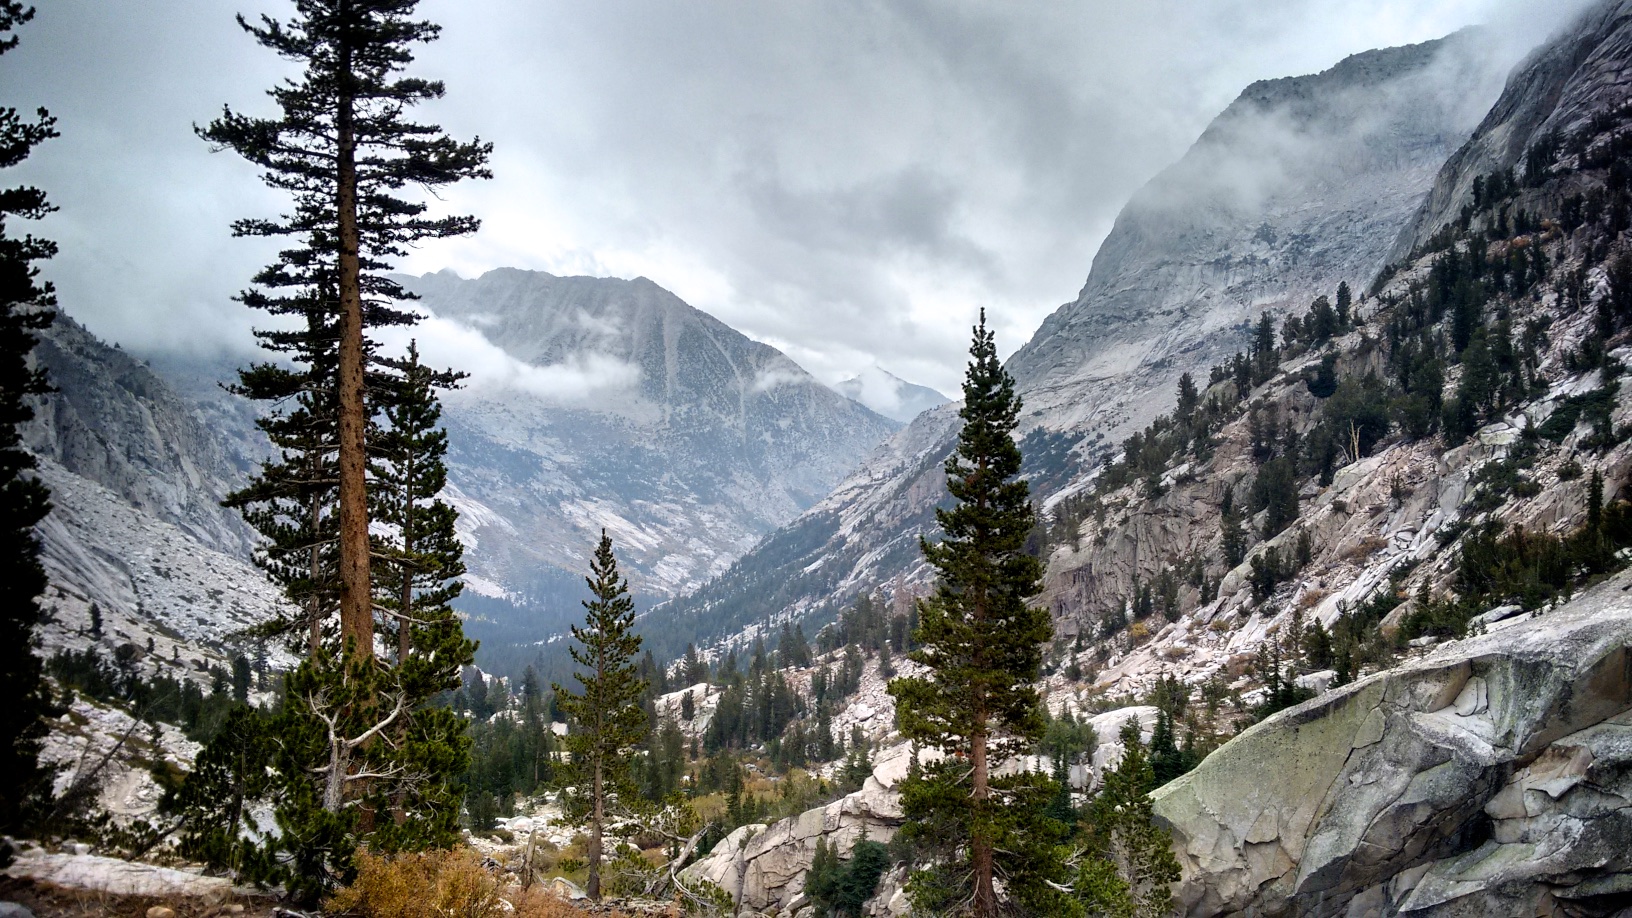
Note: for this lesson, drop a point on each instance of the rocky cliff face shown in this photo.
(1560, 87)
(632, 411)
(113, 421)
(1492, 777)
(136, 527)
(1301, 183)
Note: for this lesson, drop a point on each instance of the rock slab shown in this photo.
(1492, 777)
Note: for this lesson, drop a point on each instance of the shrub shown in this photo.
(435, 884)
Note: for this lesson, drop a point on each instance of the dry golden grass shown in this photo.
(436, 884)
(1365, 548)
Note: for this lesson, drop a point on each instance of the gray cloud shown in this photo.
(847, 181)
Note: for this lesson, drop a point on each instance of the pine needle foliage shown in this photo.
(982, 643)
(606, 720)
(25, 308)
(422, 557)
(1131, 869)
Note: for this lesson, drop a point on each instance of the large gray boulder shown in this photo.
(1492, 777)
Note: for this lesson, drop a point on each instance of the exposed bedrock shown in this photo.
(1492, 777)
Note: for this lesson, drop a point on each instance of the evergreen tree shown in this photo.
(605, 715)
(1189, 398)
(693, 670)
(1133, 869)
(1265, 357)
(982, 643)
(1235, 537)
(342, 149)
(354, 737)
(25, 308)
(422, 561)
(840, 890)
(423, 557)
(241, 678)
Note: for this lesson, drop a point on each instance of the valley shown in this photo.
(1284, 570)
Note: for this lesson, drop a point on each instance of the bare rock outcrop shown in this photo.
(763, 867)
(1493, 776)
(1559, 87)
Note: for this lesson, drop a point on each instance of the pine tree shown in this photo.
(343, 150)
(1265, 357)
(25, 308)
(353, 737)
(1189, 398)
(605, 715)
(982, 643)
(422, 559)
(1133, 867)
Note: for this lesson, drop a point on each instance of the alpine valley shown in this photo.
(1331, 460)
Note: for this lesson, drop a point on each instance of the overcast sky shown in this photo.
(847, 181)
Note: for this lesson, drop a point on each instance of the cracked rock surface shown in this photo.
(1491, 777)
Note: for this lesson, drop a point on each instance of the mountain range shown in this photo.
(1376, 572)
(1301, 184)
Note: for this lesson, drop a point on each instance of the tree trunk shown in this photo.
(356, 599)
(593, 887)
(405, 643)
(314, 604)
(980, 847)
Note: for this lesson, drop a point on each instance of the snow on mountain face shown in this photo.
(890, 395)
(616, 405)
(1299, 184)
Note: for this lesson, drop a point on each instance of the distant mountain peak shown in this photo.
(625, 408)
(890, 395)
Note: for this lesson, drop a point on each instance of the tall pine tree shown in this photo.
(605, 718)
(422, 561)
(343, 149)
(982, 643)
(25, 308)
(355, 738)
(1130, 869)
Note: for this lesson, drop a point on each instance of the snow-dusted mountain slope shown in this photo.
(1299, 184)
(618, 405)
(136, 528)
(1559, 88)
(890, 395)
